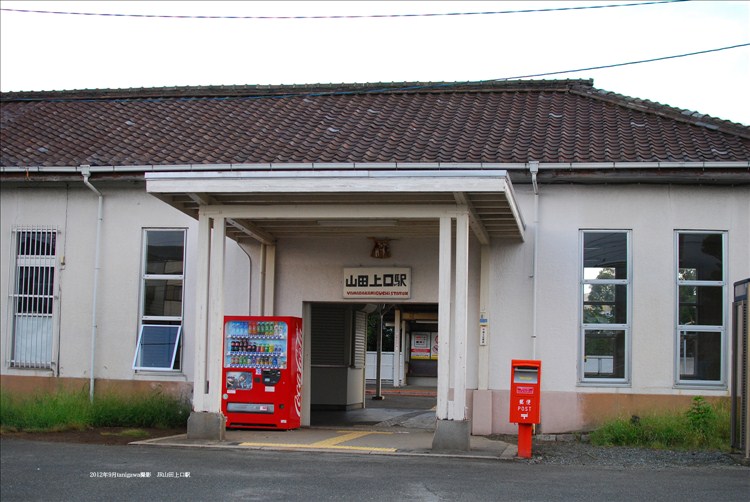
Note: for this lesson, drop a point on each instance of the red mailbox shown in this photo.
(525, 381)
(525, 394)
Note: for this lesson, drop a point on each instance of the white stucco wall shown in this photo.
(309, 270)
(653, 214)
(126, 212)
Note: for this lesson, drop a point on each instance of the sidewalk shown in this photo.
(402, 423)
(353, 440)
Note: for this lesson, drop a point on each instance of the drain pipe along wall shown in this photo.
(534, 169)
(85, 170)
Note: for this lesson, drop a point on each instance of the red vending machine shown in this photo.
(262, 372)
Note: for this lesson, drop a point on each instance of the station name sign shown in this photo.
(377, 282)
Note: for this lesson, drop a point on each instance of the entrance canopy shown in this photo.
(272, 204)
(267, 205)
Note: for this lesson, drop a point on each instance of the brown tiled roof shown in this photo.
(500, 122)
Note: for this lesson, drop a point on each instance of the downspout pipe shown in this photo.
(86, 172)
(534, 170)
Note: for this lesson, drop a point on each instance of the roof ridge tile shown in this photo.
(654, 107)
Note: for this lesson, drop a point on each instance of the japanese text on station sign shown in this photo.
(377, 282)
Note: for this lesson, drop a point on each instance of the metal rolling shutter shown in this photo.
(327, 330)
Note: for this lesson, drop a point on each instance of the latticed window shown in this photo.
(33, 296)
(701, 292)
(605, 312)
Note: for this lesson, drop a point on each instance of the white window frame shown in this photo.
(38, 352)
(721, 329)
(138, 359)
(625, 327)
(151, 320)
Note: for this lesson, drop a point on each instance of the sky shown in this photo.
(63, 51)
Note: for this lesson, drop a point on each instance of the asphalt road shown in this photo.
(32, 470)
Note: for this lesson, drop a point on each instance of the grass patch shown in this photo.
(74, 411)
(703, 426)
(153, 410)
(47, 412)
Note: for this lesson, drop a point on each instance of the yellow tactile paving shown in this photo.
(333, 443)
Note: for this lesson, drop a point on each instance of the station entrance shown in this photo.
(349, 340)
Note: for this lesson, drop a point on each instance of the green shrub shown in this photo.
(702, 417)
(65, 410)
(702, 426)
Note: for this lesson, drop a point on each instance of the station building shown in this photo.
(546, 220)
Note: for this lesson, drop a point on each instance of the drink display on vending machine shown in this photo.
(262, 372)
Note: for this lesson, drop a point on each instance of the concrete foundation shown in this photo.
(205, 425)
(32, 385)
(481, 416)
(452, 435)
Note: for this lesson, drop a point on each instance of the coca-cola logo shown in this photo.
(298, 356)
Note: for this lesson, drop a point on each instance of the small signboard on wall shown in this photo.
(377, 283)
(420, 345)
(424, 346)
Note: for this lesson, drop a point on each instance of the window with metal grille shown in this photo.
(159, 336)
(33, 296)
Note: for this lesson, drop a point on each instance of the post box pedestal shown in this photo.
(524, 440)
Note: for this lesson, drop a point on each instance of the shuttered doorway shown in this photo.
(338, 339)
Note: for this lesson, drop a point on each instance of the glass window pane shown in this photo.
(700, 257)
(162, 297)
(164, 251)
(605, 255)
(34, 290)
(156, 348)
(701, 305)
(605, 304)
(604, 354)
(700, 355)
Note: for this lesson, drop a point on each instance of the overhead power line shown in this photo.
(518, 77)
(437, 85)
(615, 65)
(365, 16)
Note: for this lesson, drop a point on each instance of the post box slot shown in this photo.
(526, 375)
